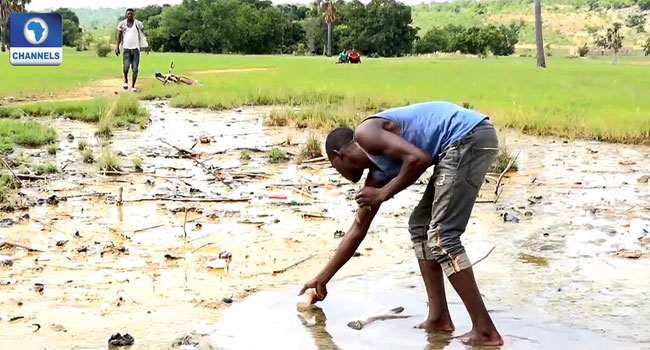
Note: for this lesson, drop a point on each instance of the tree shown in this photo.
(636, 21)
(328, 9)
(646, 48)
(539, 37)
(612, 40)
(68, 14)
(70, 33)
(7, 7)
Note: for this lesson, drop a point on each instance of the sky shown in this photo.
(36, 5)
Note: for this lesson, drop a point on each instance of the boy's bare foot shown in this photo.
(474, 338)
(431, 326)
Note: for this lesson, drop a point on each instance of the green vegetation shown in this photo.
(137, 163)
(108, 161)
(83, 145)
(277, 155)
(51, 149)
(102, 49)
(87, 155)
(245, 154)
(312, 149)
(29, 133)
(47, 168)
(473, 40)
(504, 157)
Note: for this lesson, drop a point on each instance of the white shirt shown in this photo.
(130, 39)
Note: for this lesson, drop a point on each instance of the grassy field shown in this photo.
(586, 98)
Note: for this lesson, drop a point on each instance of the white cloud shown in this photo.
(37, 5)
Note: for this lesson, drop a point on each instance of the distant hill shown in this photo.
(566, 22)
(98, 18)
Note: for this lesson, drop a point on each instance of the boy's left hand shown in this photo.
(370, 197)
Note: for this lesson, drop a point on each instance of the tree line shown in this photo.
(379, 28)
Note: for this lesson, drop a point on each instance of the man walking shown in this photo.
(130, 33)
(397, 146)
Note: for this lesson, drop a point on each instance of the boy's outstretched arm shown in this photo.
(346, 249)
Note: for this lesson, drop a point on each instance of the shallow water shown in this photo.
(270, 320)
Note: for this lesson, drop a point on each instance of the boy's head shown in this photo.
(345, 155)
(130, 13)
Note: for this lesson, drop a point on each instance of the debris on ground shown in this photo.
(6, 261)
(39, 287)
(393, 313)
(192, 342)
(7, 222)
(58, 328)
(644, 179)
(535, 199)
(629, 253)
(217, 264)
(339, 234)
(227, 300)
(509, 217)
(121, 340)
(172, 257)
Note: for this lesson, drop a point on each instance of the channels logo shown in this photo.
(36, 39)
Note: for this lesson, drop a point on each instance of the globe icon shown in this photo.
(36, 31)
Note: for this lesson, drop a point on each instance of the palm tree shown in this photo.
(7, 7)
(539, 38)
(329, 10)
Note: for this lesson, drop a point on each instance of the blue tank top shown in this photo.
(431, 126)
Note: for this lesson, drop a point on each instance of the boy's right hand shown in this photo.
(319, 286)
(117, 52)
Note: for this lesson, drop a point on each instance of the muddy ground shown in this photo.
(578, 254)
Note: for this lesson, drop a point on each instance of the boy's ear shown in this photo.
(337, 152)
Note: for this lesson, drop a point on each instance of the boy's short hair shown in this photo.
(337, 139)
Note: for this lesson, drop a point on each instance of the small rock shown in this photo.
(198, 226)
(338, 234)
(39, 287)
(226, 255)
(218, 264)
(509, 217)
(629, 253)
(6, 261)
(24, 217)
(7, 222)
(120, 154)
(70, 137)
(535, 199)
(77, 234)
(57, 328)
(227, 300)
(62, 242)
(644, 179)
(356, 254)
(52, 200)
(121, 340)
(171, 257)
(204, 139)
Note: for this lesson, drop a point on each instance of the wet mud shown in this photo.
(560, 277)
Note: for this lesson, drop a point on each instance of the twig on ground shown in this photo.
(201, 247)
(148, 228)
(12, 172)
(503, 173)
(483, 258)
(5, 244)
(185, 224)
(314, 160)
(207, 200)
(277, 272)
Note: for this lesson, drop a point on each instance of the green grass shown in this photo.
(277, 155)
(83, 144)
(108, 161)
(312, 149)
(137, 163)
(575, 98)
(125, 109)
(44, 169)
(51, 149)
(25, 133)
(87, 155)
(245, 154)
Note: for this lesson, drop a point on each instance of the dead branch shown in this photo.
(12, 172)
(185, 224)
(9, 244)
(181, 150)
(148, 228)
(206, 200)
(277, 272)
(314, 160)
(497, 193)
(30, 177)
(483, 258)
